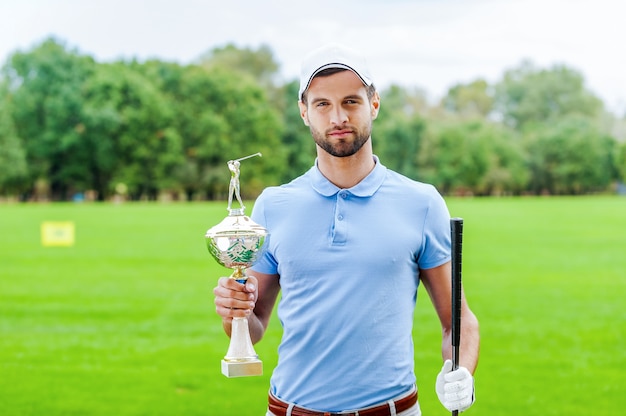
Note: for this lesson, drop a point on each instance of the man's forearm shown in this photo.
(470, 342)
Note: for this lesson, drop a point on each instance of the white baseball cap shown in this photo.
(332, 56)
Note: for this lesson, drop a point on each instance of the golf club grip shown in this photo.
(456, 229)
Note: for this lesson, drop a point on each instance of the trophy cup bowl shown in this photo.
(236, 243)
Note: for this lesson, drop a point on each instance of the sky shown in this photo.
(427, 44)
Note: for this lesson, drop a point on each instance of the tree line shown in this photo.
(70, 125)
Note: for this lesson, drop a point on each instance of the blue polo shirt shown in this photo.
(349, 261)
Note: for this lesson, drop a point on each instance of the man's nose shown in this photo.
(339, 116)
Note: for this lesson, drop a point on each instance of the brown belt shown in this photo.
(279, 408)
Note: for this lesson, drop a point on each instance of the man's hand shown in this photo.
(455, 389)
(234, 299)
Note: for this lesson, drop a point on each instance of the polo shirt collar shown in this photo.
(367, 187)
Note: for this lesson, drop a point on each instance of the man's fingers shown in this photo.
(226, 312)
(229, 288)
(457, 390)
(234, 299)
(228, 283)
(461, 373)
(447, 367)
(251, 284)
(235, 295)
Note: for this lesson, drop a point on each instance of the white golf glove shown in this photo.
(455, 389)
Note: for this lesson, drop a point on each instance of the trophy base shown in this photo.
(242, 368)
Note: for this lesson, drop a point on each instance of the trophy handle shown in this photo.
(240, 349)
(241, 359)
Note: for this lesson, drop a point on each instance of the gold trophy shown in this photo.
(236, 243)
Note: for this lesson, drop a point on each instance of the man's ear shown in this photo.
(375, 104)
(303, 113)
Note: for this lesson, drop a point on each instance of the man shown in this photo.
(349, 242)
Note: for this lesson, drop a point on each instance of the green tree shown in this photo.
(398, 144)
(296, 140)
(262, 68)
(220, 115)
(507, 171)
(527, 95)
(13, 167)
(177, 84)
(474, 156)
(399, 129)
(258, 64)
(470, 100)
(620, 162)
(69, 124)
(570, 156)
(128, 131)
(451, 159)
(46, 88)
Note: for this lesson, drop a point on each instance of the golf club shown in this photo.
(456, 229)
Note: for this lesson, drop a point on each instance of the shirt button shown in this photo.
(340, 217)
(344, 195)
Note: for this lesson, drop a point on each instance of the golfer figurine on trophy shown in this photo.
(236, 243)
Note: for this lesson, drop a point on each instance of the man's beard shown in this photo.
(341, 148)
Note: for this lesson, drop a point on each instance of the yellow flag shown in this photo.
(57, 233)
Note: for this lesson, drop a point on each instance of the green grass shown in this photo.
(123, 323)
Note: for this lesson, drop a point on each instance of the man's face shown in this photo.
(339, 113)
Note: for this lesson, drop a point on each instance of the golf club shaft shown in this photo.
(456, 230)
(247, 157)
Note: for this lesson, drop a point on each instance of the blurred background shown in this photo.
(147, 100)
